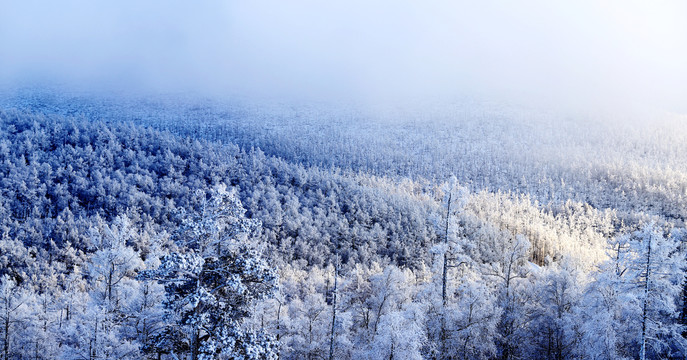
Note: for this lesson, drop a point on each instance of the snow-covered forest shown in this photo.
(343, 180)
(130, 235)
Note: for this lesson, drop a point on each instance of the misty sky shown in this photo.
(578, 54)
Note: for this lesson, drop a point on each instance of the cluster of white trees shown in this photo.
(621, 164)
(187, 301)
(121, 242)
(496, 304)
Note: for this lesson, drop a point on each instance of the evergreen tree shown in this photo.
(211, 281)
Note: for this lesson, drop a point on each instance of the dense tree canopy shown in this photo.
(122, 241)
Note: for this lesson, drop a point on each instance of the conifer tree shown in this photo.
(211, 281)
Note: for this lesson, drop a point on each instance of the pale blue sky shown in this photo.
(567, 53)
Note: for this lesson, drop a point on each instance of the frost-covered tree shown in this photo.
(38, 334)
(633, 302)
(455, 198)
(556, 324)
(657, 271)
(212, 279)
(449, 253)
(14, 316)
(309, 328)
(395, 324)
(95, 316)
(95, 332)
(114, 260)
(509, 268)
(400, 334)
(474, 319)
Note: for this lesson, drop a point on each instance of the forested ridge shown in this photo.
(125, 241)
(609, 162)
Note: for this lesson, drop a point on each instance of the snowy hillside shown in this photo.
(97, 214)
(343, 180)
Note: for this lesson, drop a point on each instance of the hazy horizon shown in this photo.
(580, 57)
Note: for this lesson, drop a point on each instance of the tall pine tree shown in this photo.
(211, 281)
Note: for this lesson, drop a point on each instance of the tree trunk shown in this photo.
(331, 339)
(444, 275)
(196, 330)
(444, 278)
(196, 346)
(7, 336)
(279, 328)
(109, 283)
(646, 300)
